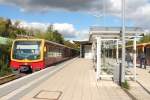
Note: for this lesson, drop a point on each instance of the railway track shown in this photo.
(9, 78)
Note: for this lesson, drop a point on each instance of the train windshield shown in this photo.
(26, 50)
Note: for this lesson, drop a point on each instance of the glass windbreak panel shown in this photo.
(26, 50)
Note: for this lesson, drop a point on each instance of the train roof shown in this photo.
(57, 44)
(45, 41)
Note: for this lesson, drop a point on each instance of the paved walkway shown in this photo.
(141, 88)
(77, 81)
(144, 77)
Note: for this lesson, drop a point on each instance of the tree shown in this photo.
(9, 30)
(58, 37)
(53, 35)
(16, 24)
(5, 25)
(72, 45)
(40, 35)
(129, 43)
(145, 39)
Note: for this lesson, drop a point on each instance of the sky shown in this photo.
(73, 18)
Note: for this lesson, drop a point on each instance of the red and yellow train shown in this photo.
(37, 54)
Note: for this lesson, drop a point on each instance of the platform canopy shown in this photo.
(114, 32)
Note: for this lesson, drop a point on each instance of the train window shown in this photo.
(26, 50)
(53, 51)
(60, 52)
(50, 54)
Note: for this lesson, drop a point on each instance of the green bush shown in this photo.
(5, 70)
(125, 85)
(4, 58)
(105, 69)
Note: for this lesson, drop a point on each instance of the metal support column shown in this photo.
(123, 41)
(134, 58)
(93, 55)
(98, 58)
(117, 51)
(80, 50)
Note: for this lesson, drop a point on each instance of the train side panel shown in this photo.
(55, 53)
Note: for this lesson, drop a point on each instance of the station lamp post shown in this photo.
(123, 42)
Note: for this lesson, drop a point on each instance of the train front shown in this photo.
(27, 55)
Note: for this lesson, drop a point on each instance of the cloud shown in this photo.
(66, 29)
(112, 6)
(83, 35)
(71, 5)
(136, 10)
(33, 25)
(69, 31)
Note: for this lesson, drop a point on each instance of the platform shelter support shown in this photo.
(80, 50)
(98, 57)
(99, 69)
(94, 54)
(123, 42)
(117, 51)
(134, 58)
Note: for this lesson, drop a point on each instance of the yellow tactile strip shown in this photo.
(48, 95)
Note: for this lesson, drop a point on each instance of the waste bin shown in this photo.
(117, 73)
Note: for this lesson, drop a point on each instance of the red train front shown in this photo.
(27, 55)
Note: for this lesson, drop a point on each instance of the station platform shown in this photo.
(141, 88)
(75, 81)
